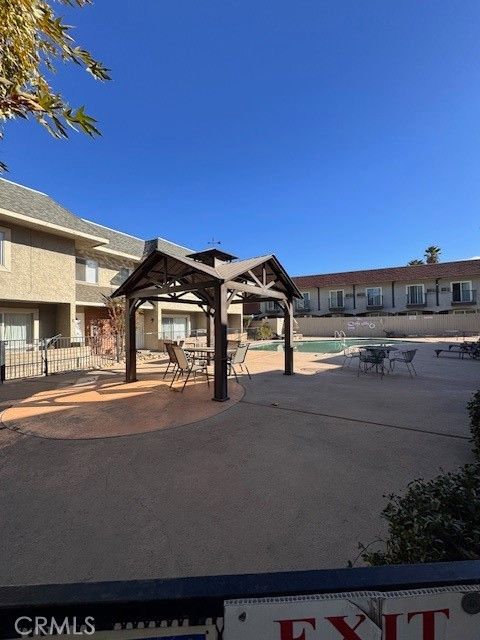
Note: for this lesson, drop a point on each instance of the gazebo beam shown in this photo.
(260, 291)
(220, 325)
(181, 288)
(130, 340)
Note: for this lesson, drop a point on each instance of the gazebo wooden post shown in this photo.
(130, 340)
(220, 324)
(210, 330)
(288, 333)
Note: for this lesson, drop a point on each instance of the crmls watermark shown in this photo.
(42, 626)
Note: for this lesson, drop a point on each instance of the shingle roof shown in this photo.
(19, 199)
(458, 269)
(160, 244)
(28, 202)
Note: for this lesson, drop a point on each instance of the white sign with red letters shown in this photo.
(425, 614)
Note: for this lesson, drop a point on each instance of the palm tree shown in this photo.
(415, 262)
(432, 254)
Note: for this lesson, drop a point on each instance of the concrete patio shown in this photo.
(292, 476)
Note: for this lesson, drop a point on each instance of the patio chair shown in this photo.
(188, 367)
(172, 361)
(233, 344)
(370, 359)
(238, 358)
(406, 357)
(349, 354)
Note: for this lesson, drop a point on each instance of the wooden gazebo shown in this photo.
(213, 280)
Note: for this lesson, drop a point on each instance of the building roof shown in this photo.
(458, 269)
(38, 206)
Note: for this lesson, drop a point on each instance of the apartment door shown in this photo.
(80, 324)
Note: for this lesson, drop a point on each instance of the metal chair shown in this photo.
(371, 359)
(238, 358)
(406, 357)
(171, 359)
(349, 354)
(188, 367)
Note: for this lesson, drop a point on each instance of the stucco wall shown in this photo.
(42, 267)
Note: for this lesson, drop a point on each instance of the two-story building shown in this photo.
(55, 266)
(445, 287)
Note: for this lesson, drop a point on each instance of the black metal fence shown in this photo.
(147, 603)
(59, 354)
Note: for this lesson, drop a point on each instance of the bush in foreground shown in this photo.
(473, 408)
(436, 520)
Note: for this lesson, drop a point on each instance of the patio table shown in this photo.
(200, 353)
(379, 347)
(375, 349)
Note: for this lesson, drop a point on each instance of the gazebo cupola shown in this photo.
(212, 257)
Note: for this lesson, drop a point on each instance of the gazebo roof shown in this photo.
(168, 274)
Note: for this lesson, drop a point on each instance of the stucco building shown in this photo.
(55, 266)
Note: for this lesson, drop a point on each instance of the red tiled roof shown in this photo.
(459, 269)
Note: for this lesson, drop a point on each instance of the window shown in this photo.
(415, 294)
(175, 327)
(336, 299)
(303, 304)
(462, 291)
(86, 270)
(4, 248)
(123, 274)
(16, 326)
(374, 296)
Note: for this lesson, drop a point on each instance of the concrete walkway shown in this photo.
(291, 477)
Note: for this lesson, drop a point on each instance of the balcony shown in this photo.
(303, 308)
(336, 304)
(417, 300)
(374, 302)
(465, 297)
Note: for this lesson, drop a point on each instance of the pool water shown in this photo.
(322, 346)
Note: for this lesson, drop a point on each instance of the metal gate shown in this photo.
(59, 354)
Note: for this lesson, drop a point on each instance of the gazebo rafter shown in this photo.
(212, 280)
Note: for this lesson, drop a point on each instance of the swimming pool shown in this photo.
(322, 346)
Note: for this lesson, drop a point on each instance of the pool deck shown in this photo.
(292, 476)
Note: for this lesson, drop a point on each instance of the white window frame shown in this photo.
(460, 282)
(380, 289)
(420, 284)
(26, 310)
(300, 304)
(174, 316)
(5, 249)
(336, 291)
(85, 262)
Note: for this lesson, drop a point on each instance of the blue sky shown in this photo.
(337, 134)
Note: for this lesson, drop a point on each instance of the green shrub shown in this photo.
(473, 408)
(264, 332)
(436, 520)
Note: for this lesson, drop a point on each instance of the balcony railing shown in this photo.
(416, 300)
(374, 302)
(303, 308)
(465, 297)
(336, 303)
